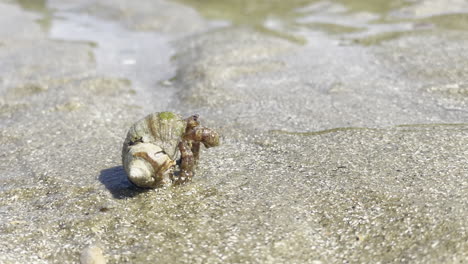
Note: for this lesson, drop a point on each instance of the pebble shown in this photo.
(92, 255)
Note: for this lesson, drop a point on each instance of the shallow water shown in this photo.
(344, 129)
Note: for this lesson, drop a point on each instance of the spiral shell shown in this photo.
(150, 149)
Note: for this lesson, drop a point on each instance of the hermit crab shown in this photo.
(151, 149)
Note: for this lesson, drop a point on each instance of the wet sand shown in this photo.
(344, 124)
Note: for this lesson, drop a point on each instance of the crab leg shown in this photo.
(187, 163)
(196, 151)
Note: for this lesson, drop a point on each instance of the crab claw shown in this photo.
(210, 138)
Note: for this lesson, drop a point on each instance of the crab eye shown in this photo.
(195, 117)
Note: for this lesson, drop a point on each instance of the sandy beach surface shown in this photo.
(344, 130)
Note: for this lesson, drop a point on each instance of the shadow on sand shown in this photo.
(116, 181)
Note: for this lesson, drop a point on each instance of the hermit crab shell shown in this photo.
(151, 147)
